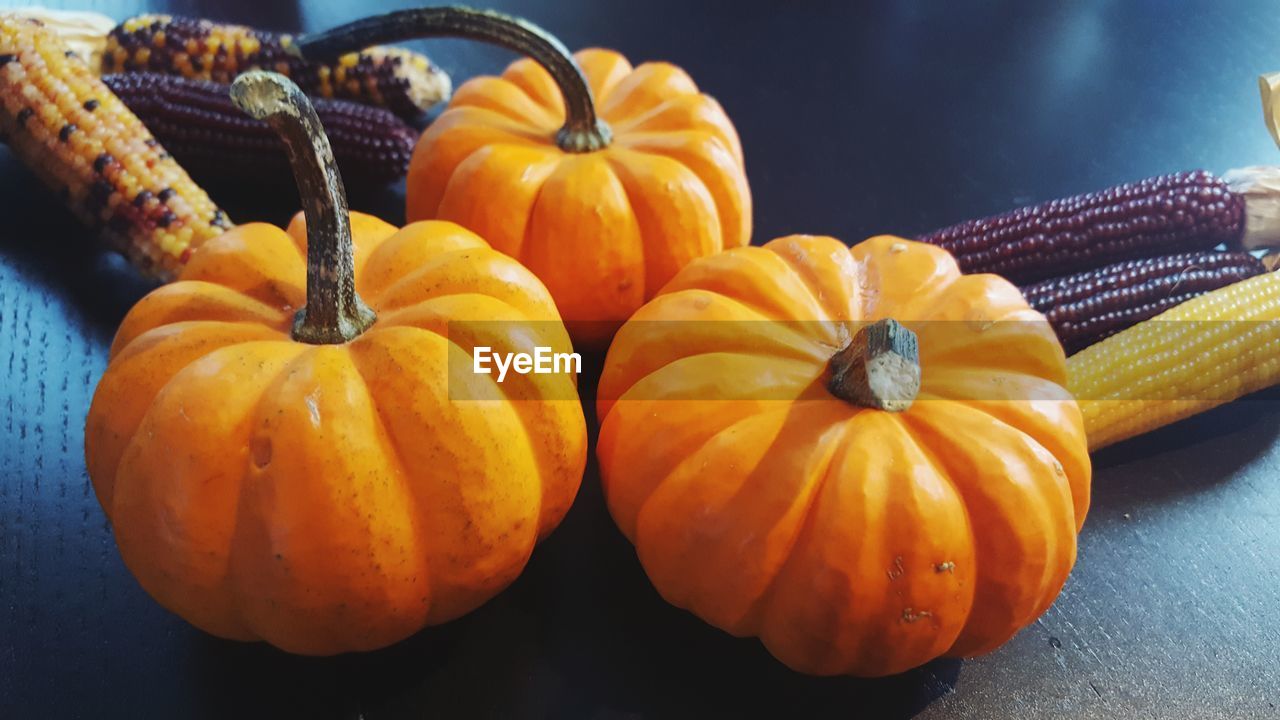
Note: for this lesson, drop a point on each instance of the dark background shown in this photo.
(896, 117)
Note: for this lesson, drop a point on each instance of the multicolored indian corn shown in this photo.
(1203, 353)
(1088, 306)
(214, 140)
(82, 142)
(1156, 216)
(404, 82)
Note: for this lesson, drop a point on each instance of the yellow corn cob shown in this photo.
(81, 141)
(404, 82)
(1205, 352)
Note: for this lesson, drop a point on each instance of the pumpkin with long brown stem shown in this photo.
(859, 455)
(602, 178)
(324, 482)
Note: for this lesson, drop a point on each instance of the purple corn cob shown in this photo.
(1156, 216)
(196, 121)
(1089, 306)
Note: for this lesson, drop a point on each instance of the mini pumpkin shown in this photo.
(611, 177)
(859, 455)
(325, 483)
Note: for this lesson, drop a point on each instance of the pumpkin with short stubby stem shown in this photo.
(859, 455)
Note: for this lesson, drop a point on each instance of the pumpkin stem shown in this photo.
(583, 131)
(879, 368)
(334, 313)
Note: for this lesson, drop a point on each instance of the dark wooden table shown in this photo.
(894, 117)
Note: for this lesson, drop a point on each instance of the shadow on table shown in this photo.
(580, 634)
(45, 243)
(1197, 452)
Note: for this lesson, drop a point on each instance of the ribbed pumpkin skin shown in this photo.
(604, 230)
(851, 541)
(331, 498)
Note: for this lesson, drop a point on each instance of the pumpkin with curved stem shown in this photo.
(323, 482)
(859, 455)
(610, 177)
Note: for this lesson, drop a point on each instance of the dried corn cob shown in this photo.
(1157, 216)
(1201, 354)
(65, 125)
(1089, 306)
(402, 81)
(214, 140)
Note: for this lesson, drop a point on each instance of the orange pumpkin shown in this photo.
(747, 453)
(603, 180)
(325, 483)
